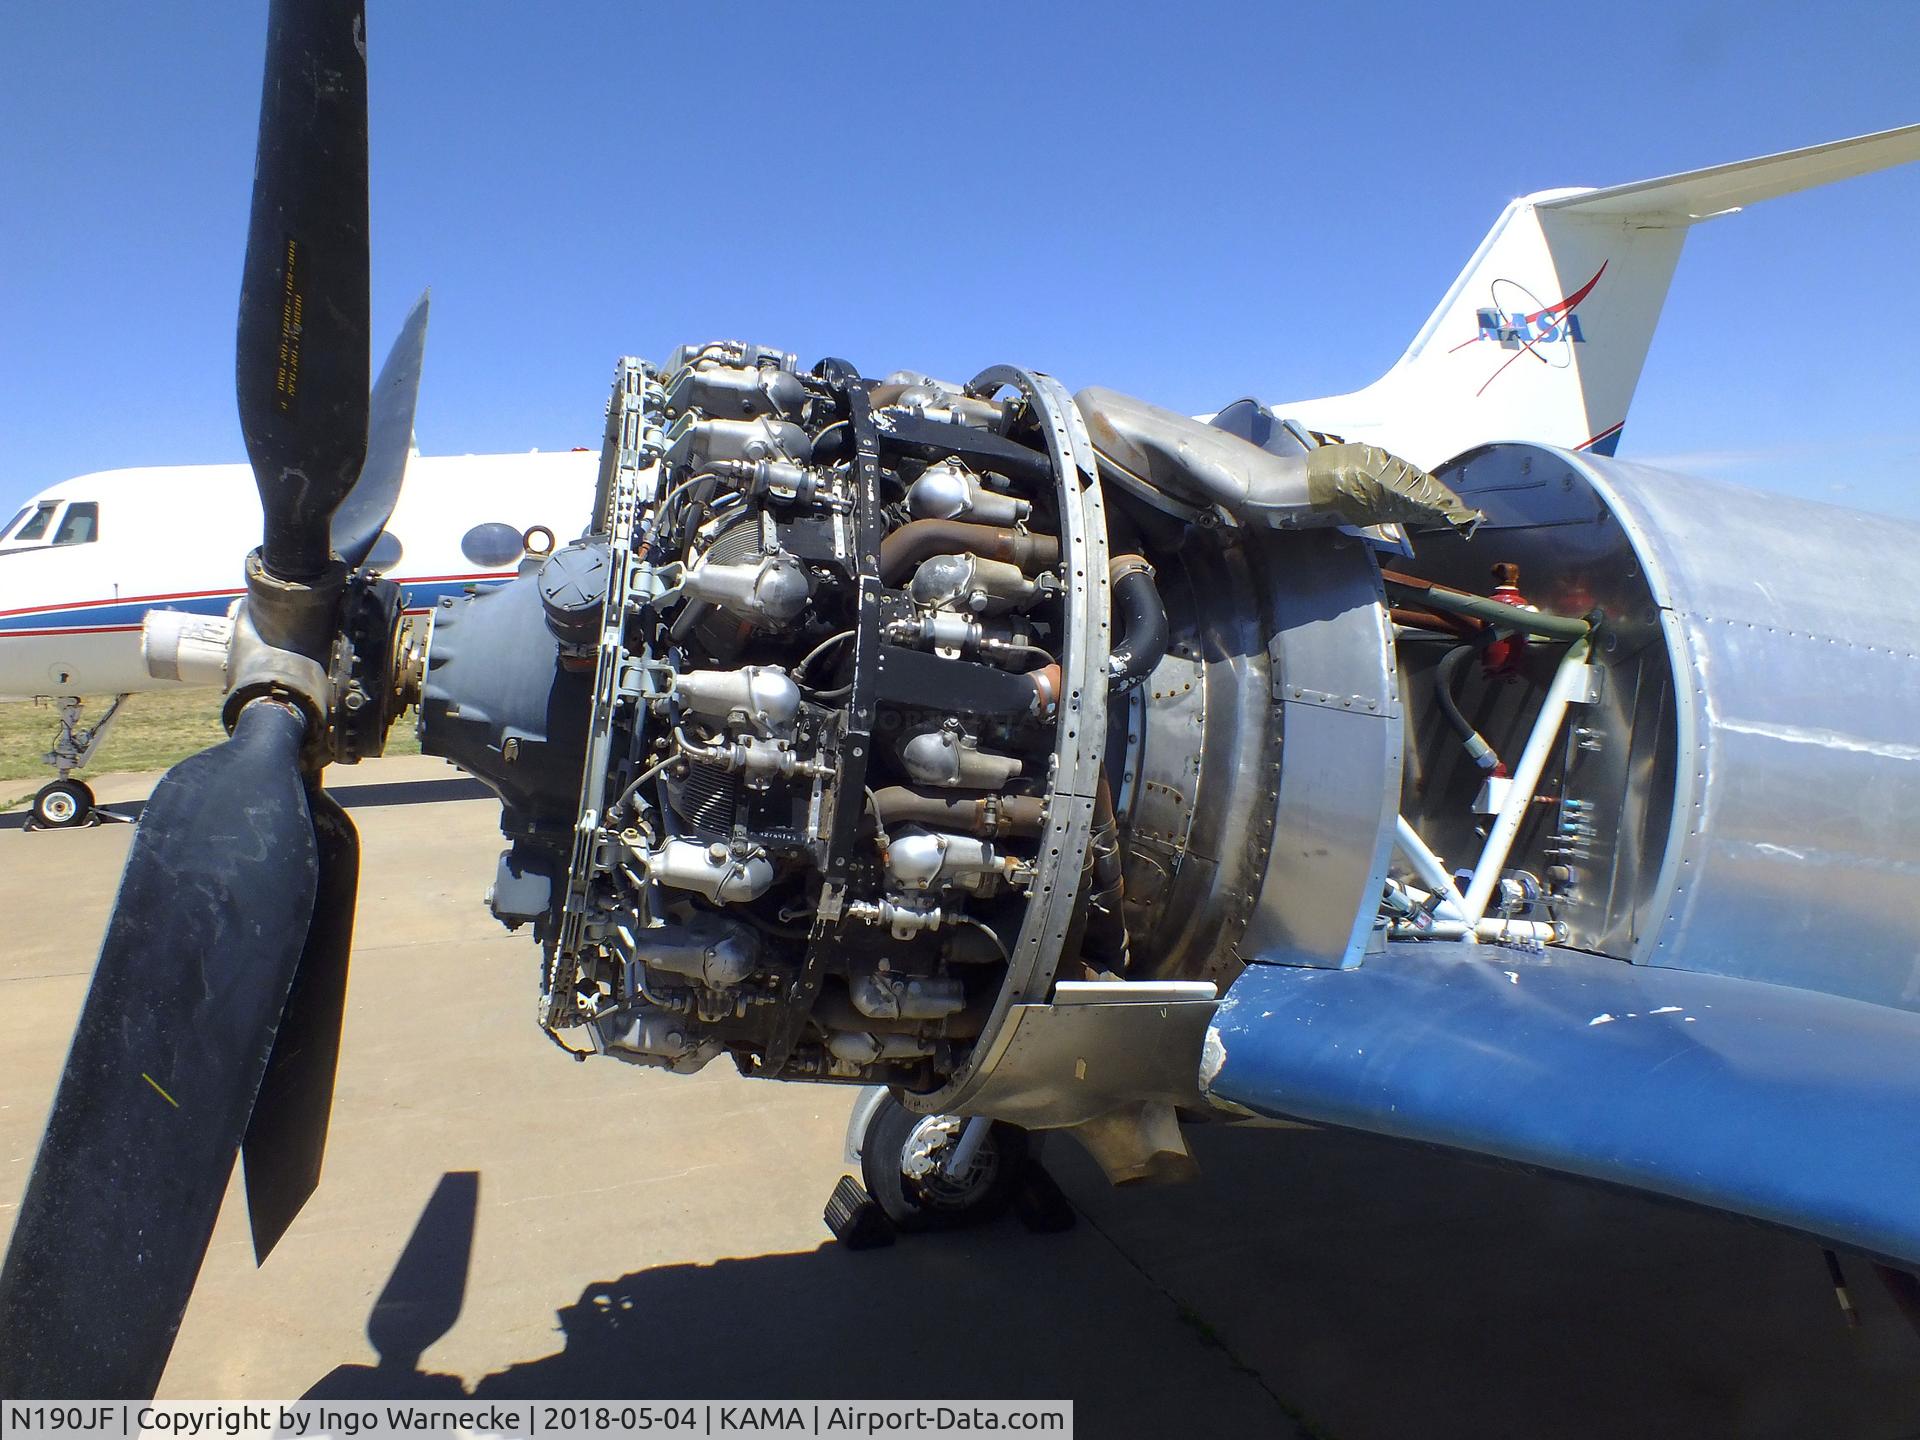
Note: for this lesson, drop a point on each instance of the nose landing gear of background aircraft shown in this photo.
(66, 803)
(938, 1172)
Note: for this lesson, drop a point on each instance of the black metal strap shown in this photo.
(848, 795)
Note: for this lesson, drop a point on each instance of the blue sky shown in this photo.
(1189, 202)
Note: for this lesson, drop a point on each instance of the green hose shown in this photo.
(1495, 612)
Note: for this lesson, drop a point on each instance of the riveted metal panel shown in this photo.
(1337, 689)
(1796, 838)
(1095, 1048)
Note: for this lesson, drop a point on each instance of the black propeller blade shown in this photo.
(288, 1137)
(193, 976)
(369, 505)
(215, 1011)
(301, 362)
(288, 1133)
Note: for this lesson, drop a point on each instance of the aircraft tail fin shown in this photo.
(1543, 335)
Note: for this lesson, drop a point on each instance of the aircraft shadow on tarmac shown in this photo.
(1313, 1282)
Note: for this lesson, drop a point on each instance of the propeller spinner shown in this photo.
(213, 1020)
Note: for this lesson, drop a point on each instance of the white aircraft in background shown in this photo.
(85, 560)
(1542, 337)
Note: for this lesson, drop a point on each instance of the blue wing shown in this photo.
(1790, 1106)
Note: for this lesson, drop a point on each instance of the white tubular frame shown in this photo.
(1458, 916)
(1427, 866)
(1571, 682)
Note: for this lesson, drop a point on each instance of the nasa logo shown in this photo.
(1518, 330)
(1529, 331)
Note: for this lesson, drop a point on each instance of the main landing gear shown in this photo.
(66, 803)
(937, 1172)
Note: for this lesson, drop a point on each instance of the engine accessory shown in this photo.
(948, 492)
(1507, 650)
(950, 756)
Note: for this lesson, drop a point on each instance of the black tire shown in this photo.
(63, 805)
(914, 1204)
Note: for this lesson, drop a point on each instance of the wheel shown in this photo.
(63, 804)
(901, 1159)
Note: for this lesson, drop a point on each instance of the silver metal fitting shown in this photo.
(755, 697)
(769, 591)
(904, 997)
(926, 859)
(967, 582)
(951, 758)
(904, 921)
(948, 491)
(194, 649)
(710, 870)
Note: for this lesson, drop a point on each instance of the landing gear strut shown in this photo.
(938, 1172)
(66, 803)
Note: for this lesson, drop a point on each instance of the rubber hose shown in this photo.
(1444, 676)
(1141, 620)
(1494, 612)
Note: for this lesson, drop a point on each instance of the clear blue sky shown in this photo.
(1191, 202)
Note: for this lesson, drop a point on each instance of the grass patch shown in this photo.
(151, 732)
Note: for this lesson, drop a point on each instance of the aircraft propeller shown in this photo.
(213, 1020)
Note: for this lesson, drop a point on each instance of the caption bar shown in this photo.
(530, 1420)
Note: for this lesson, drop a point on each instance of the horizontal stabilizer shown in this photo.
(1721, 189)
(1789, 1106)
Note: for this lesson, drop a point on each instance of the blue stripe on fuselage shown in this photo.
(115, 614)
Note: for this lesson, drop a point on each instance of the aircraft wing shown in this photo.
(1789, 1106)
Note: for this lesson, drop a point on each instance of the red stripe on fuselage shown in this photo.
(67, 630)
(152, 600)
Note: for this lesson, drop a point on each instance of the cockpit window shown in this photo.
(36, 527)
(25, 511)
(80, 524)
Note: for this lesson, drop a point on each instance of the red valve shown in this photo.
(1504, 655)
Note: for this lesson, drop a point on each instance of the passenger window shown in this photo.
(35, 528)
(493, 544)
(80, 524)
(385, 554)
